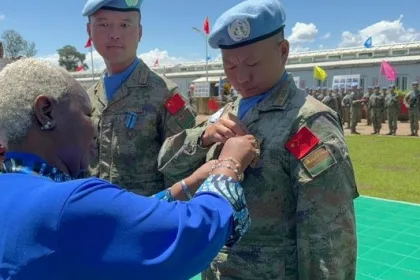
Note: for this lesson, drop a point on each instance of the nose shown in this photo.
(114, 34)
(242, 75)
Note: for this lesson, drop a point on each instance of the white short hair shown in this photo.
(21, 82)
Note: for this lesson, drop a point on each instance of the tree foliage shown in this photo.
(70, 58)
(16, 46)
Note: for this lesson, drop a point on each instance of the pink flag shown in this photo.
(388, 71)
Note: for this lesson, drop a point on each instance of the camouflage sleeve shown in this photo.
(325, 187)
(181, 154)
(405, 100)
(178, 114)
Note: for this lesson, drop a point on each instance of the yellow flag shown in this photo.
(320, 74)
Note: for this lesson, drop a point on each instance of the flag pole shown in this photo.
(91, 62)
(207, 57)
(379, 78)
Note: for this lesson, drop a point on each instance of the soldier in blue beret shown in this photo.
(301, 197)
(392, 106)
(142, 107)
(385, 112)
(366, 98)
(412, 102)
(356, 107)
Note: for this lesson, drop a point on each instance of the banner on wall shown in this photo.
(346, 81)
(202, 89)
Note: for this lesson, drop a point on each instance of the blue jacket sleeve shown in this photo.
(108, 231)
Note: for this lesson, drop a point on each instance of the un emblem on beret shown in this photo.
(131, 3)
(239, 29)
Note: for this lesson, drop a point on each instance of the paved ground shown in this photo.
(362, 128)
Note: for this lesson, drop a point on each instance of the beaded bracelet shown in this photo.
(185, 189)
(238, 173)
(235, 162)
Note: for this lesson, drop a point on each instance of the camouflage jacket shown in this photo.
(346, 101)
(377, 102)
(392, 102)
(132, 127)
(301, 204)
(413, 100)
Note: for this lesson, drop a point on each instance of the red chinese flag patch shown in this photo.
(175, 103)
(302, 143)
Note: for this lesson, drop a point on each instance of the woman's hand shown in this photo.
(241, 149)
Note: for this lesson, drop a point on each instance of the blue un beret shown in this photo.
(248, 22)
(92, 6)
(369, 87)
(415, 83)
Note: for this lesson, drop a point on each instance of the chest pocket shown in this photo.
(134, 129)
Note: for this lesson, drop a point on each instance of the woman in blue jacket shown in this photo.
(55, 226)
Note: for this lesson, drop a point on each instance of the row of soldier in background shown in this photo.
(380, 105)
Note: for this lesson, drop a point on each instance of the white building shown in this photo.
(405, 58)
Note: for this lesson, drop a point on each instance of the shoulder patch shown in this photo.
(185, 118)
(302, 143)
(175, 103)
(318, 161)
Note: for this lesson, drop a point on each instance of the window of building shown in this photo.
(306, 60)
(375, 81)
(399, 53)
(362, 83)
(293, 61)
(349, 56)
(365, 55)
(334, 57)
(320, 83)
(320, 58)
(402, 82)
(414, 51)
(381, 54)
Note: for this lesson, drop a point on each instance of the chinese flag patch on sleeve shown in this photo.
(175, 103)
(302, 143)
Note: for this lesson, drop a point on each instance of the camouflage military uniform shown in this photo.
(366, 97)
(356, 110)
(392, 105)
(303, 222)
(377, 107)
(413, 100)
(346, 104)
(328, 101)
(337, 103)
(133, 126)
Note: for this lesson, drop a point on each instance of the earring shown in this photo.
(46, 126)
